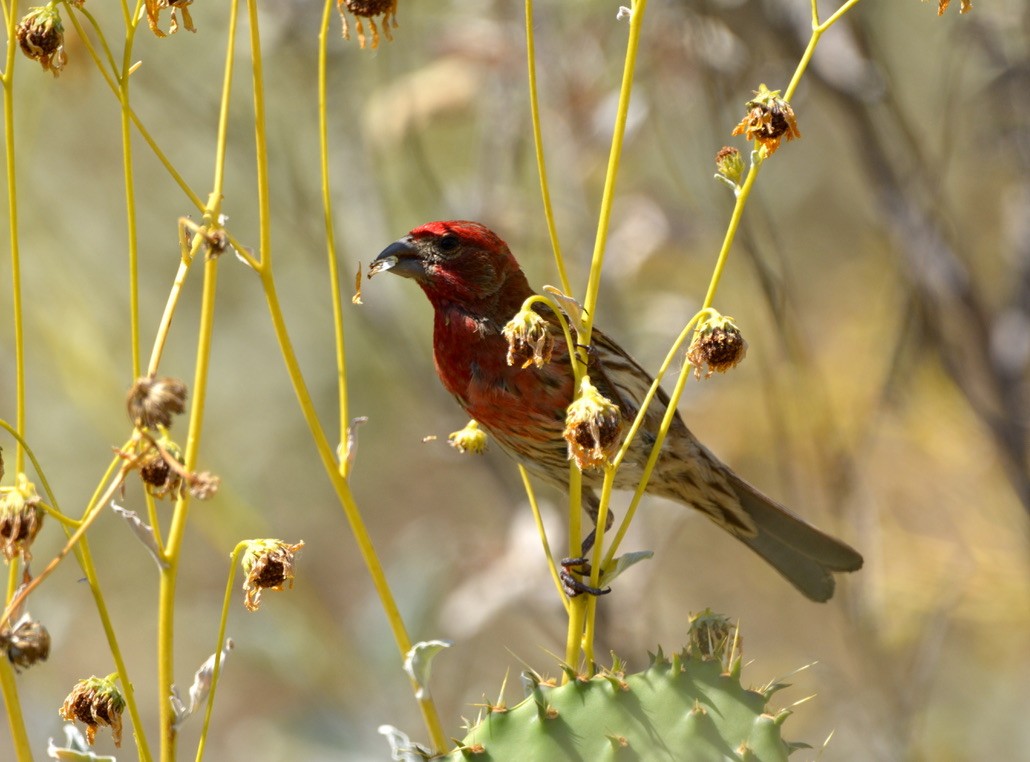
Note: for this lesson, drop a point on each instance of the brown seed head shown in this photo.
(768, 121)
(21, 518)
(41, 37)
(96, 702)
(717, 346)
(268, 565)
(593, 428)
(530, 341)
(153, 401)
(369, 10)
(27, 643)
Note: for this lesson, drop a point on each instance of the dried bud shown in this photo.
(41, 37)
(369, 9)
(154, 8)
(729, 164)
(153, 401)
(96, 702)
(769, 120)
(21, 518)
(27, 643)
(268, 564)
(713, 637)
(964, 7)
(717, 346)
(593, 428)
(530, 341)
(162, 478)
(471, 439)
(203, 485)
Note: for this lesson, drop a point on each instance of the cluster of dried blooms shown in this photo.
(96, 702)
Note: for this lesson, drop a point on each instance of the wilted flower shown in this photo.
(713, 637)
(717, 346)
(769, 120)
(368, 9)
(21, 518)
(593, 428)
(96, 702)
(529, 339)
(41, 37)
(203, 484)
(964, 6)
(26, 643)
(268, 564)
(729, 164)
(471, 439)
(160, 477)
(154, 8)
(153, 401)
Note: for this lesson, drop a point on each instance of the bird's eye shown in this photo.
(449, 243)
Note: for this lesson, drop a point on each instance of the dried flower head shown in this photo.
(717, 346)
(268, 565)
(26, 643)
(964, 7)
(368, 9)
(160, 476)
(729, 164)
(96, 702)
(41, 37)
(153, 401)
(154, 8)
(713, 637)
(21, 518)
(530, 341)
(769, 120)
(593, 428)
(471, 439)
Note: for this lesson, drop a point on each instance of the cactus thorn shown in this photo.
(618, 742)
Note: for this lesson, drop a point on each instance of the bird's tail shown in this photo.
(804, 555)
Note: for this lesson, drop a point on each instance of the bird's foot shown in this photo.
(573, 586)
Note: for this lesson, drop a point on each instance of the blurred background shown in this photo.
(882, 279)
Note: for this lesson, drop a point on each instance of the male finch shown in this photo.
(476, 287)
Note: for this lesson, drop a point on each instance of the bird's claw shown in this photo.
(573, 586)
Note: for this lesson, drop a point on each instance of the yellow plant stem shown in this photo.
(234, 561)
(177, 527)
(636, 19)
(595, 568)
(12, 708)
(538, 143)
(130, 191)
(330, 237)
(12, 217)
(535, 507)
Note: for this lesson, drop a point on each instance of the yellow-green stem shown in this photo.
(12, 216)
(130, 192)
(541, 530)
(636, 19)
(12, 708)
(234, 561)
(177, 527)
(595, 567)
(330, 237)
(538, 142)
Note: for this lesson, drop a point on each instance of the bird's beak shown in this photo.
(402, 258)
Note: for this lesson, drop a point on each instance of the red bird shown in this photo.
(476, 286)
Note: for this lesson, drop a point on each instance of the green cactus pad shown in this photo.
(692, 708)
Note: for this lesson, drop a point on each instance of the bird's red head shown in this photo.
(454, 261)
